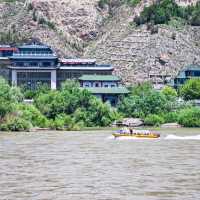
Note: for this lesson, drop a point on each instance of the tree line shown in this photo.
(73, 108)
(163, 11)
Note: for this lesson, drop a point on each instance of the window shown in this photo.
(46, 64)
(105, 85)
(96, 84)
(113, 85)
(87, 85)
(21, 64)
(33, 64)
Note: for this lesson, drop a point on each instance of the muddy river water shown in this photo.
(94, 166)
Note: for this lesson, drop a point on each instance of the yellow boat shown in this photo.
(136, 134)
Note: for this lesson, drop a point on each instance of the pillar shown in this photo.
(53, 80)
(14, 77)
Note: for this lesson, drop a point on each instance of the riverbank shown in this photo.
(109, 130)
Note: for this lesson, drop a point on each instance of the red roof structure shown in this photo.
(2, 48)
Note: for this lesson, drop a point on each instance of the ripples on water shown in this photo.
(92, 166)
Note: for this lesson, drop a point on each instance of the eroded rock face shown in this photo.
(138, 55)
(79, 28)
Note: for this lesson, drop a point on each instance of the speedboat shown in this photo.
(136, 134)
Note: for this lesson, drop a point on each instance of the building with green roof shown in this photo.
(106, 87)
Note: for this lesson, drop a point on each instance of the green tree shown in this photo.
(169, 92)
(191, 89)
(189, 117)
(142, 101)
(78, 103)
(9, 96)
(154, 120)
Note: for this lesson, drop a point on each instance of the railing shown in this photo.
(34, 55)
(82, 65)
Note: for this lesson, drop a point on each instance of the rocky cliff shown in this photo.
(81, 28)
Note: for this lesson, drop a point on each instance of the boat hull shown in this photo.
(149, 136)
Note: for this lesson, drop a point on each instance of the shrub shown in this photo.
(63, 122)
(33, 115)
(170, 117)
(144, 100)
(16, 124)
(191, 89)
(169, 92)
(133, 2)
(153, 120)
(190, 117)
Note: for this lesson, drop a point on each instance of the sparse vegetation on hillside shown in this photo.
(163, 11)
(113, 3)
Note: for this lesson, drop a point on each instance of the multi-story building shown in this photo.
(105, 87)
(34, 64)
(75, 68)
(190, 71)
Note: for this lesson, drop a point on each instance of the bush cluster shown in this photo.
(158, 107)
(72, 108)
(69, 108)
(163, 11)
(144, 100)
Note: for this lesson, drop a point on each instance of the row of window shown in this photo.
(61, 75)
(192, 73)
(34, 64)
(99, 85)
(34, 75)
(35, 53)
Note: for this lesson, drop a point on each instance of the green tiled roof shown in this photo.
(105, 90)
(99, 78)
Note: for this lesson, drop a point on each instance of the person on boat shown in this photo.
(131, 131)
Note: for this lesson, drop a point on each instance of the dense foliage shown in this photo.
(145, 100)
(190, 117)
(154, 120)
(191, 89)
(72, 108)
(158, 107)
(163, 11)
(79, 104)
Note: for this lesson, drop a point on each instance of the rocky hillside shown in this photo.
(84, 28)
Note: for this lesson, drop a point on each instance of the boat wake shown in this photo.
(175, 137)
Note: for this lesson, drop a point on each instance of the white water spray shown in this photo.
(175, 137)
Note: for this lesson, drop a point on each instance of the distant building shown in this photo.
(75, 68)
(106, 87)
(191, 71)
(35, 64)
(5, 52)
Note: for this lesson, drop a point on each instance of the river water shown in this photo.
(94, 166)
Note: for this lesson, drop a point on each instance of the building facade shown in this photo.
(31, 65)
(5, 52)
(35, 64)
(75, 68)
(190, 71)
(105, 87)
